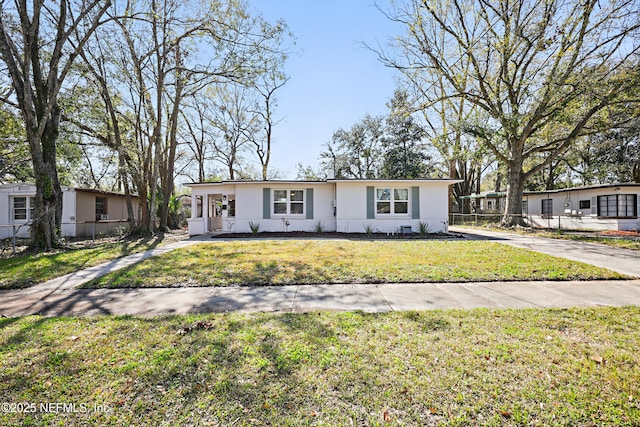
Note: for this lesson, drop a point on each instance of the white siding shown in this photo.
(28, 190)
(572, 217)
(249, 207)
(7, 192)
(352, 207)
(348, 197)
(69, 213)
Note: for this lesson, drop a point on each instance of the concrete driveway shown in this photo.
(623, 261)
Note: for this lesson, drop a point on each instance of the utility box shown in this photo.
(406, 229)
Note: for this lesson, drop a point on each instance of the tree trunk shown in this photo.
(515, 189)
(498, 184)
(168, 186)
(131, 216)
(47, 215)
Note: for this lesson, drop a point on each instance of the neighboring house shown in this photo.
(84, 211)
(347, 206)
(599, 207)
(485, 203)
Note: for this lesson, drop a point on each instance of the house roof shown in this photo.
(485, 195)
(296, 182)
(448, 180)
(67, 188)
(107, 193)
(588, 187)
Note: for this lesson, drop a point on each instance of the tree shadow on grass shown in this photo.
(243, 367)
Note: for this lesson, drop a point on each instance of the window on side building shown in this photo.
(547, 207)
(101, 208)
(618, 206)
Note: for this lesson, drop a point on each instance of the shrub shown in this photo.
(255, 227)
(424, 228)
(368, 229)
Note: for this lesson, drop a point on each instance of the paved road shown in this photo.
(60, 297)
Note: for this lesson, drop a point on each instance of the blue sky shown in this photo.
(334, 81)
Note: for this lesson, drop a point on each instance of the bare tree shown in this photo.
(266, 86)
(231, 115)
(198, 134)
(533, 66)
(163, 53)
(39, 44)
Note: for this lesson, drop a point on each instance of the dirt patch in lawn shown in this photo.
(619, 233)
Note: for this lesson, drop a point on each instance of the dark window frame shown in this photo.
(606, 203)
(547, 208)
(101, 207)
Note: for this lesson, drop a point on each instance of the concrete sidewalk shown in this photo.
(59, 297)
(369, 298)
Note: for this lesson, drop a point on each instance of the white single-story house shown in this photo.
(84, 211)
(598, 207)
(334, 205)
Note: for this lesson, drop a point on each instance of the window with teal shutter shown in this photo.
(266, 203)
(309, 203)
(415, 202)
(371, 203)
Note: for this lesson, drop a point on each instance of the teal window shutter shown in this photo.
(594, 206)
(309, 206)
(266, 203)
(415, 202)
(371, 203)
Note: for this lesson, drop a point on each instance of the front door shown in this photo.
(216, 212)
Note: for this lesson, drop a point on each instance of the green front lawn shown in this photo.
(274, 262)
(28, 269)
(458, 368)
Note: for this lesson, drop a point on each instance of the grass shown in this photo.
(266, 262)
(624, 242)
(455, 368)
(29, 268)
(616, 242)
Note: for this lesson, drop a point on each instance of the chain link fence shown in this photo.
(557, 222)
(12, 234)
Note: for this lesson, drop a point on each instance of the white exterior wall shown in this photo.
(249, 208)
(6, 220)
(348, 197)
(69, 213)
(249, 199)
(352, 207)
(576, 218)
(7, 192)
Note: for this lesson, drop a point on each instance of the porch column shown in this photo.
(205, 212)
(194, 205)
